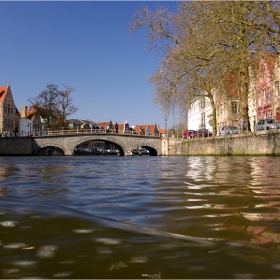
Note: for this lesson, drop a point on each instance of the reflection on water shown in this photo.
(139, 217)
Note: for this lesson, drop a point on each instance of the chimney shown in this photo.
(23, 112)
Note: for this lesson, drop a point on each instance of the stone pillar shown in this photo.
(164, 146)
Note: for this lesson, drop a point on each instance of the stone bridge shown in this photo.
(67, 143)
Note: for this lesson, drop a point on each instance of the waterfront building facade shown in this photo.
(263, 98)
(276, 88)
(9, 114)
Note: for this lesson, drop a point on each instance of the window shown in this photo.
(268, 95)
(277, 88)
(259, 99)
(263, 73)
(234, 107)
(264, 97)
(202, 104)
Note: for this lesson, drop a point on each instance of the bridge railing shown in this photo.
(83, 131)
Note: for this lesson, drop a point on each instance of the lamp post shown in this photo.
(165, 122)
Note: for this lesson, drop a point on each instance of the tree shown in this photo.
(45, 103)
(203, 44)
(54, 105)
(65, 106)
(190, 57)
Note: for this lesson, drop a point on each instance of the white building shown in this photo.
(26, 125)
(200, 114)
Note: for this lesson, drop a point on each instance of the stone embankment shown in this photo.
(263, 143)
(20, 146)
(266, 143)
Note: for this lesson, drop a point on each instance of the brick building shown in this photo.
(9, 114)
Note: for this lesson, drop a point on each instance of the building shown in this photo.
(200, 114)
(26, 124)
(228, 103)
(30, 122)
(148, 129)
(39, 123)
(264, 96)
(276, 89)
(263, 88)
(9, 115)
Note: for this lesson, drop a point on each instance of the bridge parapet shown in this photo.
(87, 131)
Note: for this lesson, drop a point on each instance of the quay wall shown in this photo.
(266, 143)
(19, 146)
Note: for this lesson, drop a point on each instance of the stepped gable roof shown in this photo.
(3, 91)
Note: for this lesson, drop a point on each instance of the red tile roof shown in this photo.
(3, 91)
(137, 127)
(104, 124)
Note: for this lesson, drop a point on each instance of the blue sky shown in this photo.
(85, 45)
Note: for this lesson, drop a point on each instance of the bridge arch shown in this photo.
(117, 145)
(153, 151)
(50, 151)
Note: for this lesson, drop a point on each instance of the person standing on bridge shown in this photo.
(117, 127)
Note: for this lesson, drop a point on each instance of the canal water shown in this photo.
(139, 217)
